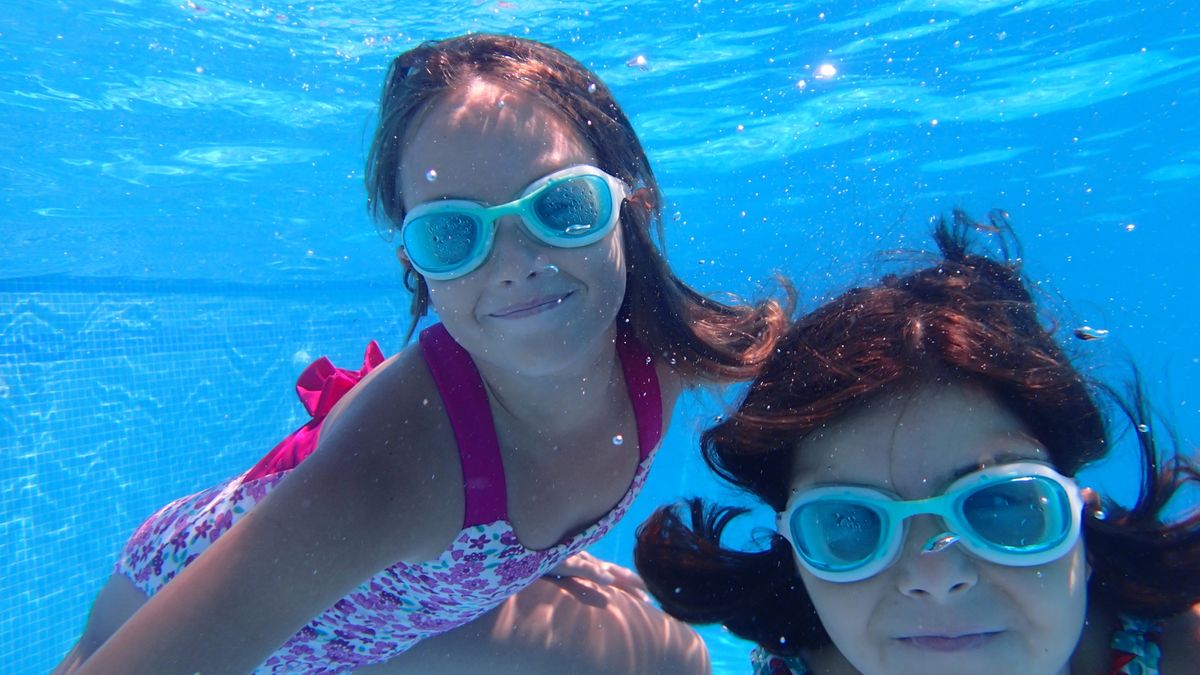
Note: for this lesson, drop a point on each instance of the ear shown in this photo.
(402, 256)
(642, 197)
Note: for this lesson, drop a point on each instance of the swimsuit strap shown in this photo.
(465, 399)
(642, 381)
(466, 403)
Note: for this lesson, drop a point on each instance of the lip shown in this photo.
(951, 641)
(532, 307)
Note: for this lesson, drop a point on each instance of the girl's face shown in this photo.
(948, 611)
(529, 307)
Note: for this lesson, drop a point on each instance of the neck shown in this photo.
(562, 400)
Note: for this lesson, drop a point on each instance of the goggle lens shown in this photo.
(1021, 515)
(440, 242)
(572, 208)
(836, 534)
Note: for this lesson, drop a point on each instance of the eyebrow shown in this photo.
(995, 460)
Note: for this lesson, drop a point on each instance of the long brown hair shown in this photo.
(700, 336)
(974, 317)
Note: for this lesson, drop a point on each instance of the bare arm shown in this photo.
(332, 524)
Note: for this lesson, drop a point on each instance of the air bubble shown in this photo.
(618, 439)
(591, 87)
(939, 542)
(431, 175)
(1143, 428)
(1087, 333)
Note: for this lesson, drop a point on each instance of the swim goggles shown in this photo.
(569, 208)
(1020, 515)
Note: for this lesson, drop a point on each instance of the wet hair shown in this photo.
(970, 317)
(701, 336)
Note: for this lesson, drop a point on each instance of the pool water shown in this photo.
(183, 226)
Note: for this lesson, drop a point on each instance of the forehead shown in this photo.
(486, 141)
(915, 442)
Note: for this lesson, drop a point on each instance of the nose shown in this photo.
(939, 573)
(516, 255)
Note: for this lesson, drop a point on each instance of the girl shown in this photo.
(434, 486)
(917, 440)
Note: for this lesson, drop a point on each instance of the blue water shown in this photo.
(182, 224)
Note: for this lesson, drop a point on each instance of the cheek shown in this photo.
(601, 266)
(452, 300)
(845, 610)
(1052, 600)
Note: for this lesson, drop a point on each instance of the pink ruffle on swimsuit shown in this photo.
(405, 603)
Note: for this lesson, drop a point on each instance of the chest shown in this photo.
(558, 486)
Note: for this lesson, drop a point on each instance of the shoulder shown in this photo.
(1180, 643)
(386, 465)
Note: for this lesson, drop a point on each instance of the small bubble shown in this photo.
(591, 87)
(678, 590)
(638, 61)
(1100, 515)
(1130, 227)
(801, 84)
(1087, 333)
(1143, 428)
(677, 216)
(1038, 574)
(938, 542)
(431, 175)
(618, 439)
(741, 127)
(718, 419)
(825, 71)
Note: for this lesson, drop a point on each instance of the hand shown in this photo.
(587, 566)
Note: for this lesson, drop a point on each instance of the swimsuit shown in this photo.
(1134, 652)
(405, 603)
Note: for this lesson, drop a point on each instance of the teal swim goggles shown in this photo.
(1019, 515)
(569, 208)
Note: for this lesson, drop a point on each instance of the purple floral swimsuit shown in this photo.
(405, 603)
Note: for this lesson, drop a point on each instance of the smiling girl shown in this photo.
(435, 489)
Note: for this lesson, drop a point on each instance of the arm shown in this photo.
(288, 560)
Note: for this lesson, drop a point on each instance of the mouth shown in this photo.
(531, 307)
(950, 643)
